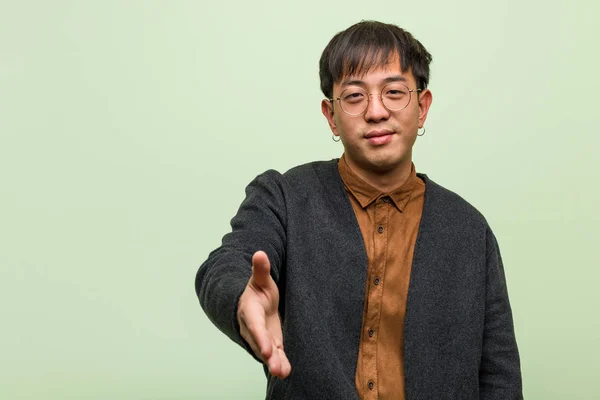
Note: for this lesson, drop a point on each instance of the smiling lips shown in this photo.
(379, 137)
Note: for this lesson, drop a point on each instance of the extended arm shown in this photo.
(243, 304)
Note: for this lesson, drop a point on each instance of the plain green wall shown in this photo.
(129, 130)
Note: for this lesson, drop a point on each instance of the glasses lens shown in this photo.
(395, 96)
(354, 101)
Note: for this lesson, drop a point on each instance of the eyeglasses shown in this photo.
(394, 96)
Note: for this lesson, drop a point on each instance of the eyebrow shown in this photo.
(389, 79)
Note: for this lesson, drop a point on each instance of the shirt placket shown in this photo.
(376, 284)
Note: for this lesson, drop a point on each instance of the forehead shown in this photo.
(376, 74)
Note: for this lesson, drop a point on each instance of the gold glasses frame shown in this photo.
(368, 97)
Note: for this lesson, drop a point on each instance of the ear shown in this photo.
(327, 110)
(425, 99)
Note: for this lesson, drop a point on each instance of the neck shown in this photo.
(383, 180)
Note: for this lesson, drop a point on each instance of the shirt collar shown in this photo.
(366, 194)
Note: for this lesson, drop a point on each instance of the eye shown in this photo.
(353, 97)
(395, 93)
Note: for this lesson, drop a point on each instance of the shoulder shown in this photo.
(301, 184)
(447, 205)
(304, 176)
(313, 170)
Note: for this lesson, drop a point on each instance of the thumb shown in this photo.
(261, 269)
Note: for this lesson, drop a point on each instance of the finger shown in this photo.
(274, 362)
(261, 269)
(286, 367)
(279, 364)
(259, 334)
(252, 343)
(283, 368)
(251, 317)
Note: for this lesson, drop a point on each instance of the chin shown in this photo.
(389, 161)
(384, 166)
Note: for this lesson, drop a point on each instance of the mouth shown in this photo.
(379, 137)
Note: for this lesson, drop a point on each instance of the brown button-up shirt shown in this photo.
(389, 223)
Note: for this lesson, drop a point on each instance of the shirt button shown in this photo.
(380, 229)
(386, 199)
(376, 280)
(371, 385)
(371, 332)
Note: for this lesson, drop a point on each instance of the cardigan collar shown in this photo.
(366, 194)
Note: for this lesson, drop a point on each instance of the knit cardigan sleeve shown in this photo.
(499, 372)
(258, 225)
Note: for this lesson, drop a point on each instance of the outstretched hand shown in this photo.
(259, 320)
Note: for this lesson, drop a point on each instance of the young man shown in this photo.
(358, 277)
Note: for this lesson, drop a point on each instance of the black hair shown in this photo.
(370, 44)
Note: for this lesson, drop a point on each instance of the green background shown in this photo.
(129, 130)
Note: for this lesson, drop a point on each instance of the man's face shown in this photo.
(379, 141)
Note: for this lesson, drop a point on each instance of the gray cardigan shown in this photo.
(459, 339)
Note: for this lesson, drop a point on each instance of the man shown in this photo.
(358, 277)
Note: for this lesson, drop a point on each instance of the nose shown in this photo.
(376, 111)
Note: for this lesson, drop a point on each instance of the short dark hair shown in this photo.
(370, 44)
